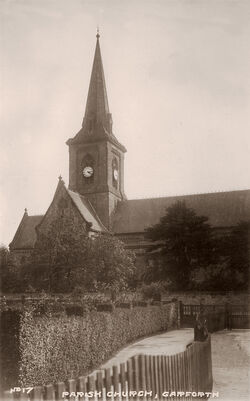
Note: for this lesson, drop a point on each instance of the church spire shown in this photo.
(97, 109)
(97, 122)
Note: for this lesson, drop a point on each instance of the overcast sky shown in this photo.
(177, 76)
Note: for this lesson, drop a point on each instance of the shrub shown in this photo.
(75, 310)
(152, 291)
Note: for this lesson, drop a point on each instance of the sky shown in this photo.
(178, 82)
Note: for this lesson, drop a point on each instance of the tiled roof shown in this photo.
(87, 211)
(224, 209)
(25, 236)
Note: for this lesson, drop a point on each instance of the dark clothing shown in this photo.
(200, 328)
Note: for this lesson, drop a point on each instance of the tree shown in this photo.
(9, 274)
(57, 253)
(239, 255)
(65, 258)
(231, 266)
(183, 241)
(235, 251)
(107, 265)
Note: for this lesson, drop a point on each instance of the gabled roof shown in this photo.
(25, 236)
(87, 211)
(224, 209)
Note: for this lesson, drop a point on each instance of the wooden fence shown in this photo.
(142, 377)
(219, 317)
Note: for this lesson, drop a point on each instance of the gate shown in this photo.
(219, 317)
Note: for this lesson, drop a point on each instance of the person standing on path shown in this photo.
(200, 326)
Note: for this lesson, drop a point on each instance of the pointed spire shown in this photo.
(97, 121)
(97, 108)
(97, 33)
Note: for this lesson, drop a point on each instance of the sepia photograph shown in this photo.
(125, 200)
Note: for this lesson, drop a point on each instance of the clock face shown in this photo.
(115, 174)
(88, 171)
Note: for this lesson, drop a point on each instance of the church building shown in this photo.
(95, 197)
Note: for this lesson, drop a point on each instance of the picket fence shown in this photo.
(143, 377)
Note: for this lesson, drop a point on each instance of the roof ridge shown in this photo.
(35, 215)
(88, 206)
(94, 211)
(188, 194)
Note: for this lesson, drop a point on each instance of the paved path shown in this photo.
(231, 364)
(168, 343)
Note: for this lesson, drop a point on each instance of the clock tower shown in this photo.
(96, 157)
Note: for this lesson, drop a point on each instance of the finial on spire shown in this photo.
(25, 211)
(97, 34)
(61, 179)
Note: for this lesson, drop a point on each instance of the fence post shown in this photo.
(123, 378)
(60, 388)
(164, 373)
(130, 374)
(72, 385)
(91, 384)
(108, 381)
(8, 396)
(37, 393)
(99, 382)
(116, 380)
(228, 316)
(142, 383)
(179, 314)
(148, 376)
(50, 392)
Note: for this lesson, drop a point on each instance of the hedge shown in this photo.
(56, 348)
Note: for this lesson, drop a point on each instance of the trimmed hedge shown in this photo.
(9, 348)
(56, 348)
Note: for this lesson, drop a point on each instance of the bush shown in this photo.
(153, 290)
(75, 310)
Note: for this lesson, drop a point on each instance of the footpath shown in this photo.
(231, 364)
(168, 343)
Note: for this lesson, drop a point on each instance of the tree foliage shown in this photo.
(9, 275)
(231, 272)
(56, 254)
(65, 258)
(107, 265)
(184, 242)
(191, 255)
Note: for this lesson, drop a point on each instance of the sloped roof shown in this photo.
(25, 236)
(87, 211)
(224, 209)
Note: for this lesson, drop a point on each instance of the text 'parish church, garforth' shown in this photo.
(95, 197)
